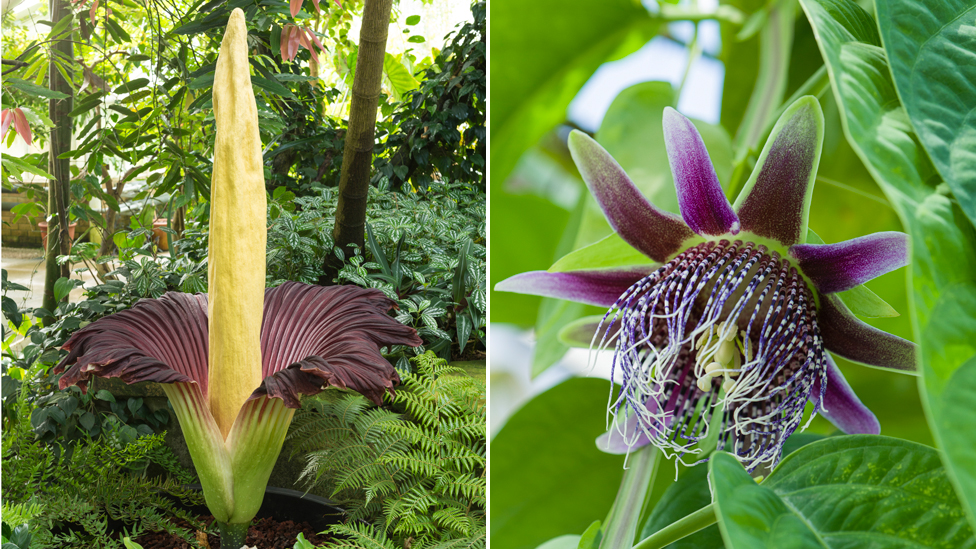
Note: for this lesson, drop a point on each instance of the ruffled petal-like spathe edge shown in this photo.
(842, 407)
(775, 202)
(655, 233)
(703, 204)
(349, 364)
(162, 340)
(844, 265)
(598, 287)
(847, 336)
(302, 321)
(315, 337)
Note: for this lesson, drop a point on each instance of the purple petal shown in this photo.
(842, 266)
(162, 340)
(601, 287)
(701, 200)
(841, 405)
(655, 233)
(615, 441)
(775, 202)
(852, 339)
(313, 337)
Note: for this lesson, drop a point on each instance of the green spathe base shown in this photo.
(232, 535)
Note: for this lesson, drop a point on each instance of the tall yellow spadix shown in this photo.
(237, 233)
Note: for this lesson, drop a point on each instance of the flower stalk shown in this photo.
(235, 362)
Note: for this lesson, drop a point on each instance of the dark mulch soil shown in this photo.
(266, 533)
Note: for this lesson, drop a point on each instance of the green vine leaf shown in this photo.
(849, 491)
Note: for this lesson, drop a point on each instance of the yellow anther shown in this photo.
(726, 350)
(736, 364)
(728, 384)
(711, 368)
(701, 341)
(705, 384)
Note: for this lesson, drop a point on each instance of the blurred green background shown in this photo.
(542, 54)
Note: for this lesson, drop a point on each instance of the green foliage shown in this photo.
(813, 494)
(420, 476)
(438, 131)
(425, 252)
(72, 495)
(943, 265)
(548, 478)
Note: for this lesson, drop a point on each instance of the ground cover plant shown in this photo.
(412, 470)
(723, 267)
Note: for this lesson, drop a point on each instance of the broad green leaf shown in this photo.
(535, 76)
(608, 252)
(272, 86)
(398, 75)
(548, 478)
(943, 274)
(33, 89)
(555, 313)
(932, 53)
(688, 494)
(849, 491)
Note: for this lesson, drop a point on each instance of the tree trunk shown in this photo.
(58, 188)
(357, 159)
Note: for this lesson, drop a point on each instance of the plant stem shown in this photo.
(232, 535)
(623, 520)
(679, 529)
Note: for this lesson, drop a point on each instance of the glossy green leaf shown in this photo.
(547, 477)
(932, 53)
(852, 491)
(608, 252)
(943, 264)
(865, 303)
(688, 494)
(398, 75)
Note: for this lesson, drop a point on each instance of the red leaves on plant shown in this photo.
(6, 117)
(317, 8)
(289, 42)
(296, 6)
(305, 42)
(91, 13)
(20, 124)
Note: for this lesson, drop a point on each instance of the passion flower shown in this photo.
(234, 362)
(738, 311)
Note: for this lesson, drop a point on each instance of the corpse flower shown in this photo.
(737, 312)
(233, 363)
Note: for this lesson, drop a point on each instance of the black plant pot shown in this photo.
(285, 504)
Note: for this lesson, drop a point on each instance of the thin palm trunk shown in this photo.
(357, 159)
(58, 242)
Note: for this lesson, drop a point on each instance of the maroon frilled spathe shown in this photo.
(312, 337)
